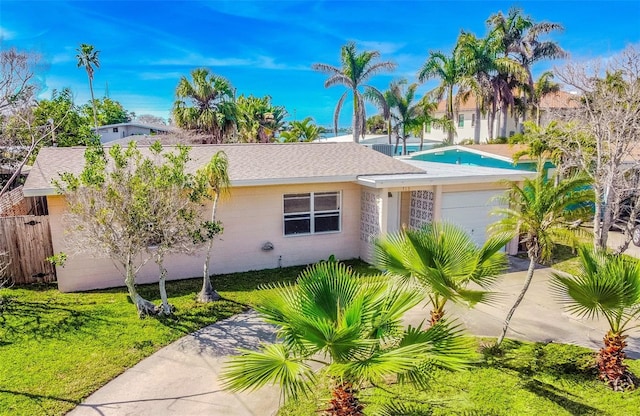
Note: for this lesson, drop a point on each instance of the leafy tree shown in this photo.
(355, 70)
(301, 131)
(205, 105)
(258, 120)
(606, 286)
(214, 179)
(109, 111)
(68, 126)
(123, 203)
(542, 213)
(150, 119)
(442, 260)
(88, 58)
(602, 131)
(349, 325)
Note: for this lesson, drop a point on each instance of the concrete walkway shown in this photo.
(182, 378)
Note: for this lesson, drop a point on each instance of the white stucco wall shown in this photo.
(251, 216)
(468, 130)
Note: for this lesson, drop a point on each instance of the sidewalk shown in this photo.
(182, 378)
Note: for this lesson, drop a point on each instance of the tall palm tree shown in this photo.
(206, 105)
(88, 58)
(448, 70)
(606, 286)
(543, 214)
(351, 327)
(519, 38)
(442, 260)
(355, 70)
(404, 110)
(214, 177)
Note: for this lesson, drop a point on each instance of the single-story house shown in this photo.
(112, 132)
(294, 204)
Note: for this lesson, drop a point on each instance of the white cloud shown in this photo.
(384, 48)
(154, 76)
(6, 34)
(196, 60)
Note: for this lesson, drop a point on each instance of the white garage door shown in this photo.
(471, 210)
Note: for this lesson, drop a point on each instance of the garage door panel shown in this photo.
(471, 211)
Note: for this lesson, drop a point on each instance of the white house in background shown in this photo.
(112, 132)
(468, 128)
(308, 200)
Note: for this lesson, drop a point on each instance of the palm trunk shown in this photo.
(503, 129)
(435, 315)
(532, 265)
(422, 137)
(476, 128)
(355, 121)
(450, 115)
(389, 129)
(611, 365)
(93, 104)
(144, 307)
(207, 293)
(344, 402)
(491, 117)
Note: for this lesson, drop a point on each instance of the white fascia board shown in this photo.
(380, 183)
(39, 191)
(293, 181)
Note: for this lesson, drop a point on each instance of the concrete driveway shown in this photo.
(182, 378)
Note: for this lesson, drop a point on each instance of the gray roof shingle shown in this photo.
(249, 164)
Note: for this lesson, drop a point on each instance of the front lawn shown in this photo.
(56, 348)
(528, 379)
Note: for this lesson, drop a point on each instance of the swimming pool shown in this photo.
(457, 157)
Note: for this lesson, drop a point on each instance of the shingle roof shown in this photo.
(249, 164)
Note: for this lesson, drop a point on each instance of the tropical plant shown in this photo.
(355, 70)
(205, 105)
(301, 131)
(351, 327)
(88, 58)
(542, 214)
(608, 286)
(214, 178)
(442, 259)
(406, 113)
(542, 87)
(449, 70)
(258, 120)
(519, 36)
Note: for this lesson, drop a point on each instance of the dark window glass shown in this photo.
(326, 223)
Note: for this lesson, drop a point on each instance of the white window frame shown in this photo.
(313, 213)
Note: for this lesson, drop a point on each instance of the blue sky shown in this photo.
(267, 48)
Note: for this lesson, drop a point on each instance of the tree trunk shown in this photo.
(207, 293)
(422, 136)
(503, 129)
(144, 307)
(476, 128)
(436, 315)
(611, 366)
(395, 151)
(344, 402)
(355, 121)
(93, 103)
(165, 309)
(450, 116)
(389, 129)
(491, 117)
(532, 265)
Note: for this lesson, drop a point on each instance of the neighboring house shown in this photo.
(308, 200)
(468, 128)
(112, 132)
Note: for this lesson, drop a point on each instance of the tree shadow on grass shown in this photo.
(560, 397)
(38, 397)
(40, 319)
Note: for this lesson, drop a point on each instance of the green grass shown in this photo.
(526, 379)
(56, 348)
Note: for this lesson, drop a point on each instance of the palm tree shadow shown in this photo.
(560, 397)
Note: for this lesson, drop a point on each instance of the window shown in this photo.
(115, 129)
(311, 213)
(473, 119)
(461, 120)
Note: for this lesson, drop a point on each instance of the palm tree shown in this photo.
(449, 70)
(542, 87)
(214, 177)
(356, 69)
(88, 58)
(543, 214)
(351, 327)
(301, 131)
(519, 38)
(205, 105)
(258, 119)
(606, 286)
(442, 260)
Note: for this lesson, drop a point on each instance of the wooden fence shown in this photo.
(26, 242)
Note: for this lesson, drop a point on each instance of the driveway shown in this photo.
(182, 378)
